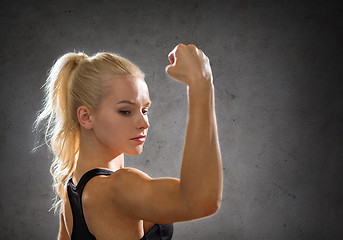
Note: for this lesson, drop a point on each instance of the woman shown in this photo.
(97, 111)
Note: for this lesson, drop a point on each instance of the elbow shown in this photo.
(217, 205)
(206, 207)
(212, 207)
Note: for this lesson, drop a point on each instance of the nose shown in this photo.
(143, 122)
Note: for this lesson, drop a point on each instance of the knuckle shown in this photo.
(192, 47)
(181, 45)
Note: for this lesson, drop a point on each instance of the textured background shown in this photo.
(278, 76)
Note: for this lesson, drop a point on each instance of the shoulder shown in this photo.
(127, 178)
(128, 174)
(127, 183)
(121, 181)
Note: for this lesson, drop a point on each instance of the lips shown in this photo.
(140, 138)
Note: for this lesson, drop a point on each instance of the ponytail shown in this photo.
(62, 130)
(74, 80)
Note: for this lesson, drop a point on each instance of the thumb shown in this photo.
(173, 73)
(169, 69)
(172, 60)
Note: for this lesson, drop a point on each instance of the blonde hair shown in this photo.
(74, 80)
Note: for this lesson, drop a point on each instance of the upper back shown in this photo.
(96, 211)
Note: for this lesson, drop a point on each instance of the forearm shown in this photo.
(201, 169)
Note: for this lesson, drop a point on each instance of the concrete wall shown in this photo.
(278, 75)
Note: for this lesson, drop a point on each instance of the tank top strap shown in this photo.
(80, 228)
(88, 176)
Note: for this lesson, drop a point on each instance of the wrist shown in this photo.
(201, 97)
(200, 89)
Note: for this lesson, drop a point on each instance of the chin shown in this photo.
(135, 152)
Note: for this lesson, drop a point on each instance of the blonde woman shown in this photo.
(97, 110)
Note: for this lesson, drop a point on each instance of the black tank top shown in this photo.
(80, 229)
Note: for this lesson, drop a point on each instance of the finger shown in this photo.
(171, 57)
(170, 69)
(167, 69)
(180, 45)
(203, 55)
(192, 48)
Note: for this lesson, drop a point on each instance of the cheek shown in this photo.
(114, 128)
(117, 129)
(109, 129)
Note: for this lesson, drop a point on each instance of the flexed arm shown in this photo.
(201, 169)
(198, 191)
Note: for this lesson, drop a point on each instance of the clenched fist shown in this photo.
(189, 65)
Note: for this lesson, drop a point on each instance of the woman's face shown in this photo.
(123, 115)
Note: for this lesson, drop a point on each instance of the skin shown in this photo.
(128, 203)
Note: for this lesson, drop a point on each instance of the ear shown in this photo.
(84, 117)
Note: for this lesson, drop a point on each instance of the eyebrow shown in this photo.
(132, 102)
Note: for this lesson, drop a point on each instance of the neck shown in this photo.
(94, 155)
(87, 162)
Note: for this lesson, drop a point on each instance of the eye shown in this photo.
(125, 112)
(145, 111)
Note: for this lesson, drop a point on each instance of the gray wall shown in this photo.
(278, 75)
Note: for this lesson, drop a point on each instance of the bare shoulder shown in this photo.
(127, 180)
(127, 174)
(114, 185)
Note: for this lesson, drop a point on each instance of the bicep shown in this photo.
(157, 200)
